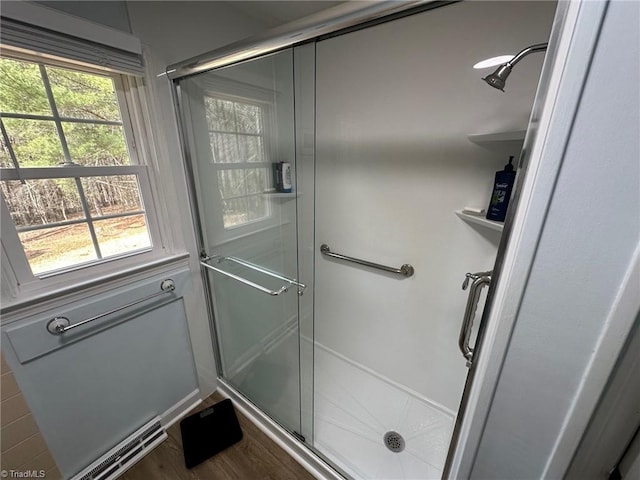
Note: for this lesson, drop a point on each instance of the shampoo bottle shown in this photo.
(282, 177)
(286, 177)
(501, 193)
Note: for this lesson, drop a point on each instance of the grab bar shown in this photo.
(405, 270)
(480, 280)
(59, 325)
(273, 293)
(266, 271)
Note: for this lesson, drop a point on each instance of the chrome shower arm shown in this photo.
(539, 47)
(498, 78)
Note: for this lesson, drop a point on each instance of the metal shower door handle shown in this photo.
(478, 282)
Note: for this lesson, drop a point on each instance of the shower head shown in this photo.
(498, 78)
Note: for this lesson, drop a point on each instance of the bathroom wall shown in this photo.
(112, 13)
(74, 383)
(395, 104)
(23, 447)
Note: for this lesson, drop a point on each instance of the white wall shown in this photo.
(112, 13)
(395, 104)
(587, 244)
(90, 388)
(171, 32)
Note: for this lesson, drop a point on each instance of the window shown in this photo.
(73, 193)
(238, 146)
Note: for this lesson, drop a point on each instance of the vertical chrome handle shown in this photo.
(478, 282)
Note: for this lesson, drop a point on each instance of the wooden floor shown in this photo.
(256, 456)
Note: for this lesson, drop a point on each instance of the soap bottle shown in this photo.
(286, 177)
(501, 193)
(282, 177)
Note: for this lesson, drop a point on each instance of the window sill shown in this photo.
(17, 306)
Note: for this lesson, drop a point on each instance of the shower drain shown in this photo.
(393, 441)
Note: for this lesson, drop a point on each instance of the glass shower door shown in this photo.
(239, 124)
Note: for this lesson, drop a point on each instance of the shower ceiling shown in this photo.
(276, 13)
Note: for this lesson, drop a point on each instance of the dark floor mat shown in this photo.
(208, 432)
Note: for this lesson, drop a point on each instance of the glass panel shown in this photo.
(21, 88)
(258, 332)
(83, 95)
(235, 212)
(96, 145)
(122, 234)
(250, 148)
(256, 180)
(248, 118)
(34, 142)
(231, 183)
(59, 247)
(112, 195)
(220, 114)
(224, 147)
(40, 202)
(258, 207)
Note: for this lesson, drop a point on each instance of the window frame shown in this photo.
(18, 281)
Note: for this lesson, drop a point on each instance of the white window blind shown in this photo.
(54, 45)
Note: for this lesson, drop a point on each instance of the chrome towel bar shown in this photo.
(59, 325)
(405, 270)
(274, 293)
(266, 271)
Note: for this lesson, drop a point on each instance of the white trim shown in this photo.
(142, 135)
(16, 257)
(8, 279)
(603, 360)
(50, 298)
(181, 409)
(574, 49)
(36, 173)
(57, 21)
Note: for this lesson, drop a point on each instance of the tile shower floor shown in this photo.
(354, 408)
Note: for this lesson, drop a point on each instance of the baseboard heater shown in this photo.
(125, 455)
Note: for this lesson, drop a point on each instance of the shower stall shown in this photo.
(336, 304)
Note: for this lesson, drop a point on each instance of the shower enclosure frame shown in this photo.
(337, 21)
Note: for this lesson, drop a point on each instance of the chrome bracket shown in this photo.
(58, 325)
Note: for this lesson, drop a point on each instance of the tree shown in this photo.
(37, 143)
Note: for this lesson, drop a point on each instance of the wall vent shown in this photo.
(126, 454)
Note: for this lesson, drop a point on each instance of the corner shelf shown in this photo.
(280, 195)
(480, 220)
(513, 138)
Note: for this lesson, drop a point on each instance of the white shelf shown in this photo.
(280, 194)
(480, 220)
(515, 135)
(499, 140)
